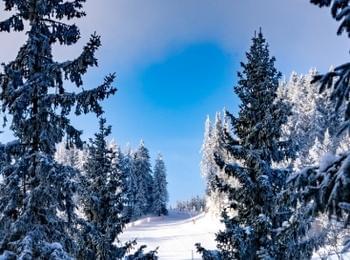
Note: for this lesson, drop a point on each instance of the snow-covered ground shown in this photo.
(175, 235)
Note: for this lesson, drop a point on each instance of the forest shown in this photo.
(276, 173)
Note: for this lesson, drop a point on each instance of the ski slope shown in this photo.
(174, 235)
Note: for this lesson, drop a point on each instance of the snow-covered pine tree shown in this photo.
(142, 183)
(120, 165)
(207, 165)
(160, 191)
(123, 164)
(131, 183)
(70, 155)
(326, 119)
(320, 149)
(209, 169)
(217, 200)
(36, 196)
(258, 223)
(102, 201)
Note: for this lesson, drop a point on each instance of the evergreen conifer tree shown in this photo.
(320, 149)
(131, 183)
(208, 165)
(142, 183)
(258, 225)
(212, 145)
(102, 201)
(36, 196)
(70, 156)
(160, 192)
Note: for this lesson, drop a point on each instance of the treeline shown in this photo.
(195, 204)
(145, 189)
(311, 130)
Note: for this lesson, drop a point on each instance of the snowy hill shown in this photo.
(175, 235)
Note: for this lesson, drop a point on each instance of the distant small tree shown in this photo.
(71, 155)
(320, 149)
(195, 204)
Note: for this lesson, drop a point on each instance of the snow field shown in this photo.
(174, 235)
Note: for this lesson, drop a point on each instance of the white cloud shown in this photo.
(137, 33)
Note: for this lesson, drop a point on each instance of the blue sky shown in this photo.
(176, 62)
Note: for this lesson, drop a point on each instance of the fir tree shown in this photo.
(208, 165)
(209, 169)
(142, 184)
(36, 196)
(160, 192)
(71, 155)
(131, 183)
(320, 149)
(102, 201)
(258, 221)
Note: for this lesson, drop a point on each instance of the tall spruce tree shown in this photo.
(102, 201)
(258, 221)
(142, 182)
(160, 192)
(131, 183)
(37, 210)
